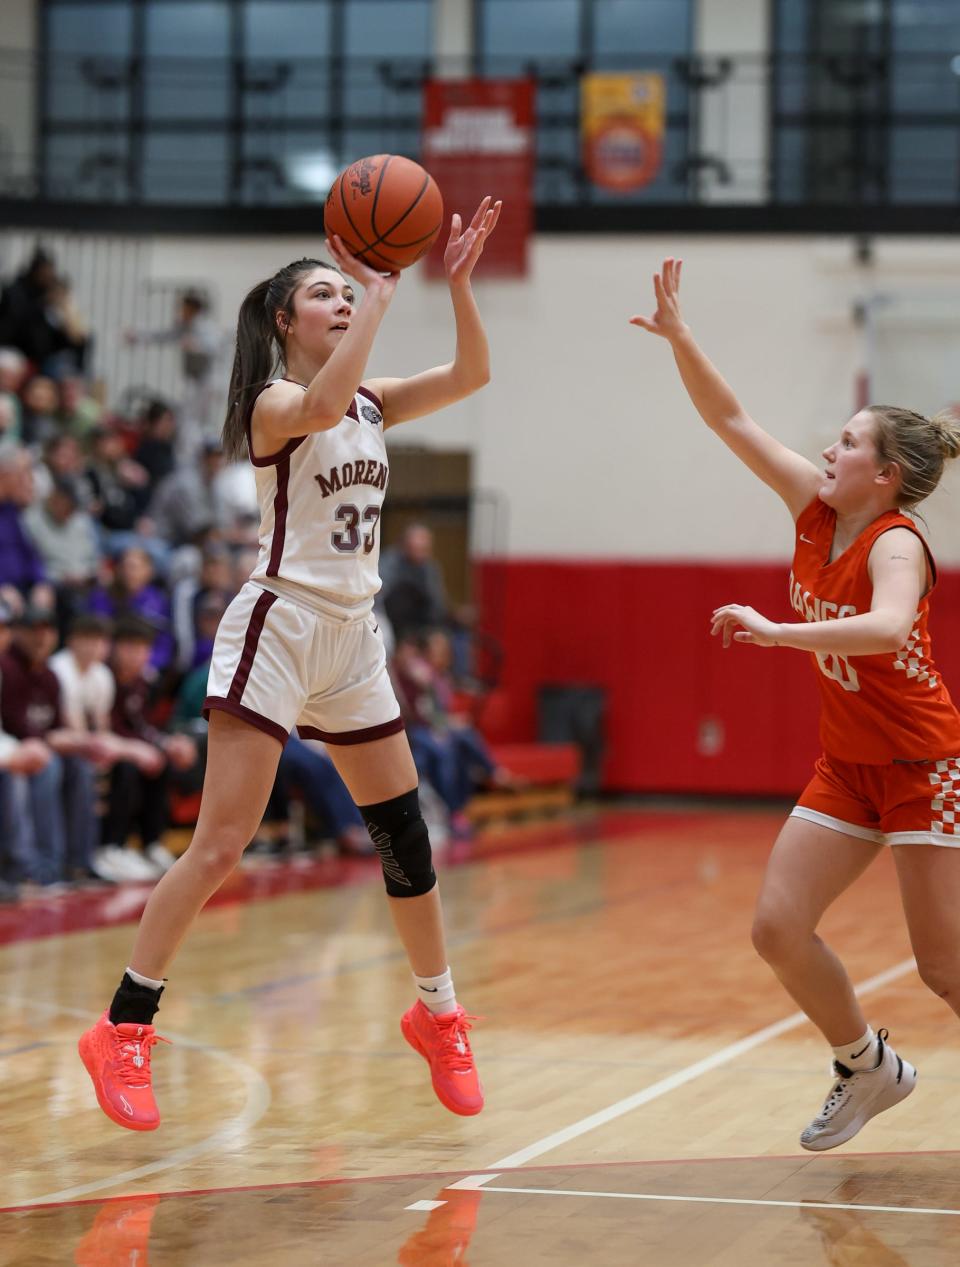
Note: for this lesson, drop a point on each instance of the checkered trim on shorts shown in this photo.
(912, 663)
(945, 778)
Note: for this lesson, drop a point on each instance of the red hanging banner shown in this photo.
(478, 139)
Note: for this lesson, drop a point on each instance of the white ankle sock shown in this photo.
(142, 980)
(436, 993)
(862, 1054)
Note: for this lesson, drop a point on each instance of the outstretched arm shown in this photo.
(406, 398)
(790, 475)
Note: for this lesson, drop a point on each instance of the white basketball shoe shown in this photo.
(857, 1096)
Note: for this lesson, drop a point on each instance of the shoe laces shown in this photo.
(838, 1093)
(133, 1051)
(455, 1050)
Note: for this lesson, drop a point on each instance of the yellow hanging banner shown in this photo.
(622, 124)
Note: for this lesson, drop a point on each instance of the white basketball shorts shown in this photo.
(278, 665)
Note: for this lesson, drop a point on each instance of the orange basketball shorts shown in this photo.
(904, 803)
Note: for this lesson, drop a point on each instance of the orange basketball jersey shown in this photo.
(874, 708)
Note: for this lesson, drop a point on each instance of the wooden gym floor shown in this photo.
(646, 1077)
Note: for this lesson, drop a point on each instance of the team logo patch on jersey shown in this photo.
(371, 414)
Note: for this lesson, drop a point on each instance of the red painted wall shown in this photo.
(682, 714)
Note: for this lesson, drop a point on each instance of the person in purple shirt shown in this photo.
(133, 593)
(20, 563)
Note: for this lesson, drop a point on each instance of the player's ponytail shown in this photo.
(919, 446)
(253, 362)
(260, 346)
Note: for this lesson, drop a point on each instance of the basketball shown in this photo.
(387, 210)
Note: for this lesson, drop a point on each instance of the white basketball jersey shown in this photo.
(320, 498)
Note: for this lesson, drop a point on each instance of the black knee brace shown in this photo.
(400, 837)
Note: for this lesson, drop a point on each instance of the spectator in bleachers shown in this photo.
(156, 452)
(196, 600)
(475, 766)
(72, 333)
(306, 770)
(21, 566)
(66, 537)
(134, 592)
(18, 761)
(119, 484)
(193, 688)
(447, 748)
(63, 460)
(188, 502)
(61, 795)
(79, 411)
(24, 316)
(433, 755)
(87, 689)
(9, 423)
(413, 595)
(41, 401)
(201, 343)
(138, 797)
(13, 372)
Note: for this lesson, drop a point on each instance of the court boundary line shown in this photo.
(753, 1201)
(724, 1056)
(802, 1159)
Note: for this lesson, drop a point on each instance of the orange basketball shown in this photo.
(387, 210)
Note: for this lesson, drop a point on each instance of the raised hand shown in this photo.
(666, 321)
(743, 624)
(464, 246)
(353, 267)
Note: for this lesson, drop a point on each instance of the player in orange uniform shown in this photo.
(890, 769)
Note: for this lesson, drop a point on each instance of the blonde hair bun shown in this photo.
(947, 431)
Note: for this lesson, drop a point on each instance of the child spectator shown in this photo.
(87, 689)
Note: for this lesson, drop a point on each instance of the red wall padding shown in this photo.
(682, 714)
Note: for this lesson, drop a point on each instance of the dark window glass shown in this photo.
(101, 29)
(513, 31)
(286, 28)
(185, 167)
(187, 45)
(388, 28)
(625, 27)
(86, 167)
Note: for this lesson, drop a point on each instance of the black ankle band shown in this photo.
(134, 1004)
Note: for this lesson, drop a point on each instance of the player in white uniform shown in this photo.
(299, 645)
